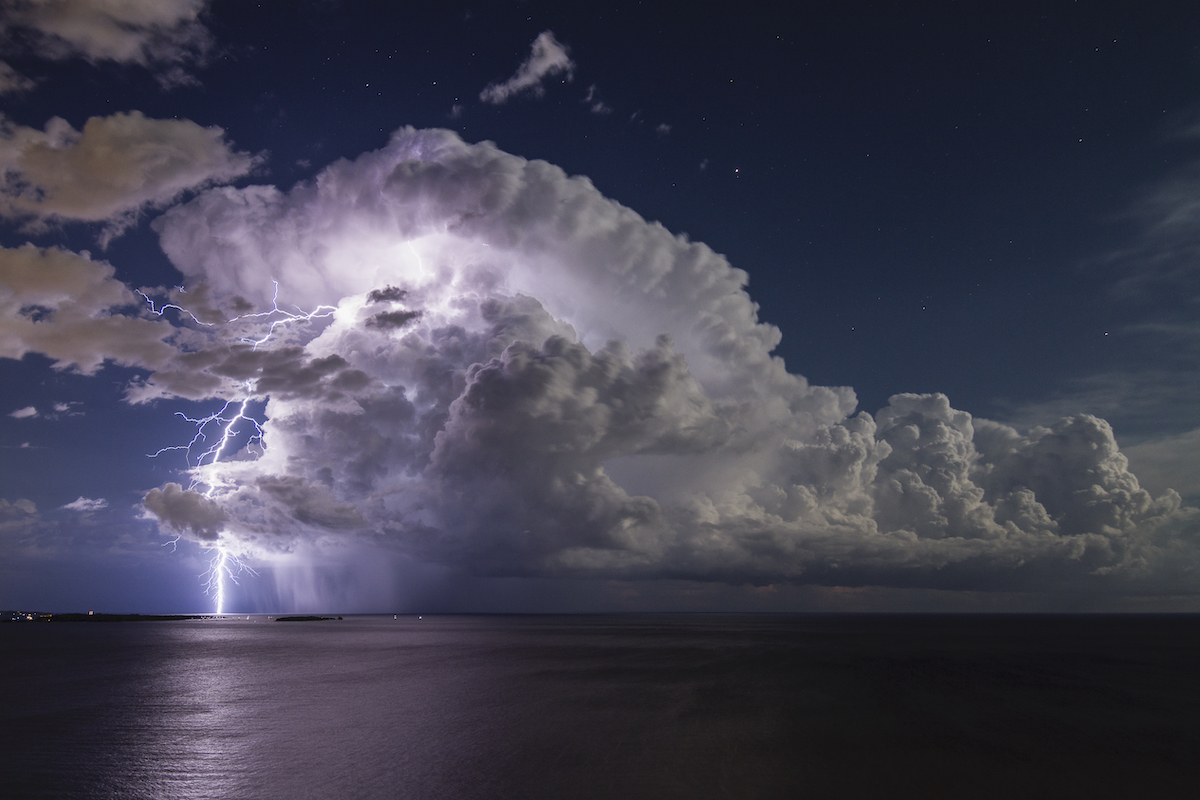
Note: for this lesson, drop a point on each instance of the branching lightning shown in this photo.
(223, 565)
(224, 425)
(321, 312)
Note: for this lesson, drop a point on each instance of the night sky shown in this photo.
(573, 307)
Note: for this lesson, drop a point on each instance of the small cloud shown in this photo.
(84, 505)
(595, 104)
(11, 81)
(65, 410)
(547, 58)
(456, 111)
(662, 129)
(24, 413)
(183, 509)
(704, 164)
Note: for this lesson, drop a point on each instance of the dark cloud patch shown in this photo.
(392, 320)
(388, 294)
(246, 370)
(186, 511)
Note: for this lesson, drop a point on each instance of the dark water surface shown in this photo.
(603, 706)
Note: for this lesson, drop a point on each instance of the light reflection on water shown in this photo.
(493, 707)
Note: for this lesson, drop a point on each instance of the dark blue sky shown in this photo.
(988, 204)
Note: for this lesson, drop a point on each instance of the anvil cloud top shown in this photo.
(284, 296)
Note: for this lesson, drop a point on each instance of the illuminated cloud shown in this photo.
(112, 170)
(84, 505)
(523, 377)
(548, 57)
(158, 34)
(64, 306)
(29, 412)
(185, 511)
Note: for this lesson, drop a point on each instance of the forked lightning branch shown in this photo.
(218, 434)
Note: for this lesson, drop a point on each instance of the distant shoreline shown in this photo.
(79, 617)
(40, 616)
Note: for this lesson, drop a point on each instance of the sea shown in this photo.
(623, 706)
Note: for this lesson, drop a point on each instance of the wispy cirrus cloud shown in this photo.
(548, 58)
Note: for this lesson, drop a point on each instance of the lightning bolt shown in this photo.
(224, 425)
(223, 566)
(285, 317)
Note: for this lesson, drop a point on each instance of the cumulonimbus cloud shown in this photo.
(110, 171)
(547, 57)
(519, 376)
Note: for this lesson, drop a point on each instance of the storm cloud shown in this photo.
(518, 376)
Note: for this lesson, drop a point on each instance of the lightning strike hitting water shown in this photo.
(225, 565)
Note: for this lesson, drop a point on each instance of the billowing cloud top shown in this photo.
(512, 373)
(548, 57)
